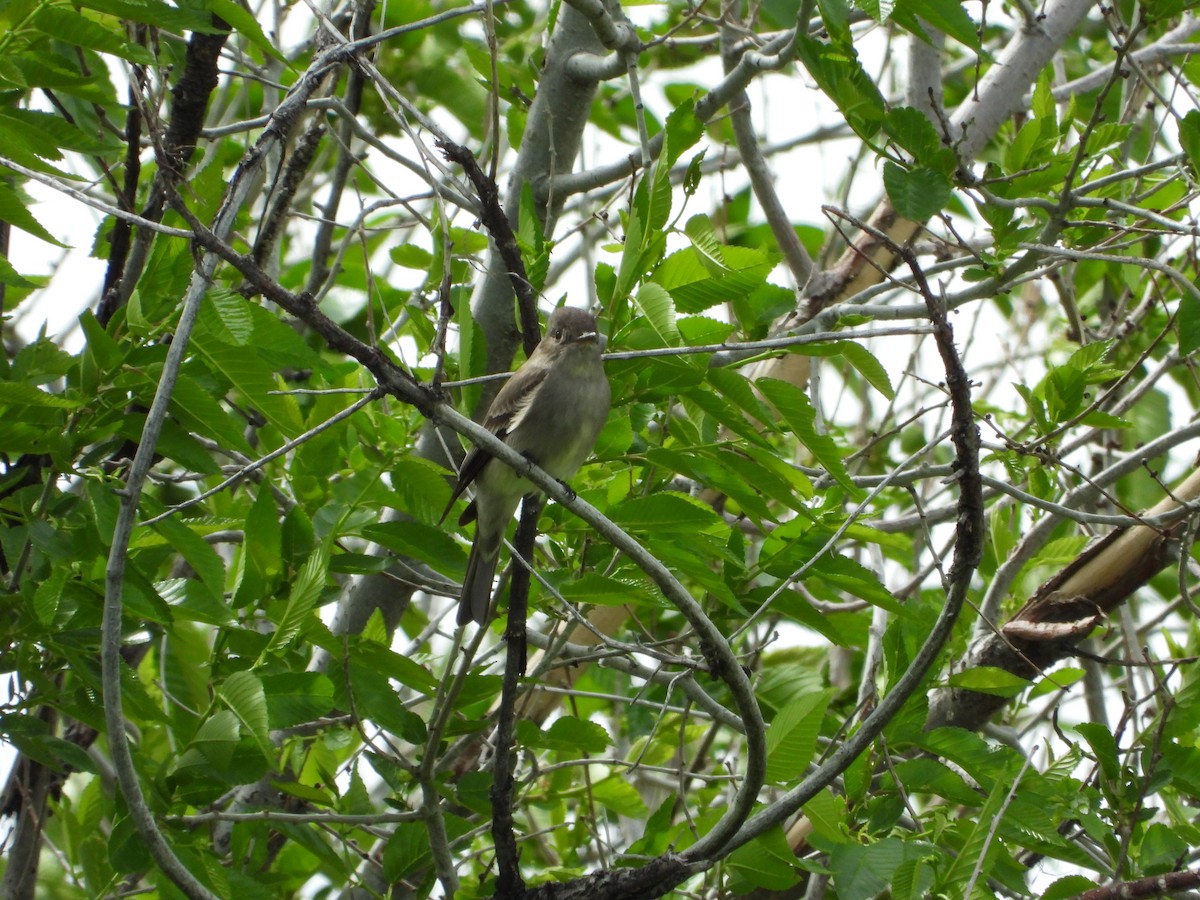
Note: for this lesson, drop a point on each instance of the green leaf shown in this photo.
(389, 664)
(246, 25)
(617, 794)
(658, 308)
(200, 555)
(841, 77)
(917, 193)
(929, 776)
(978, 852)
(11, 277)
(200, 412)
(836, 16)
(858, 356)
(664, 512)
(15, 393)
(243, 694)
(531, 239)
(1104, 747)
(1189, 137)
(1056, 681)
(766, 863)
(699, 231)
(567, 734)
(297, 697)
(601, 590)
(302, 599)
(407, 851)
(912, 131)
(422, 486)
(683, 130)
(862, 872)
(377, 700)
(74, 28)
(793, 405)
(828, 815)
(989, 680)
(705, 275)
(155, 12)
(253, 377)
(48, 594)
(14, 209)
(792, 737)
(411, 256)
(264, 535)
(1188, 321)
(1067, 887)
(424, 542)
(945, 15)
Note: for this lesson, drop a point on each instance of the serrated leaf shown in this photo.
(862, 872)
(620, 796)
(691, 178)
(1189, 137)
(1056, 681)
(841, 77)
(16, 393)
(767, 863)
(244, 695)
(74, 28)
(48, 595)
(199, 553)
(659, 309)
(377, 700)
(11, 277)
(246, 25)
(792, 737)
(601, 590)
(664, 512)
(948, 16)
(798, 413)
(989, 680)
(917, 193)
(14, 209)
(912, 131)
(828, 816)
(1104, 747)
(427, 543)
(422, 485)
(858, 356)
(695, 285)
(699, 231)
(252, 376)
(389, 664)
(200, 412)
(683, 130)
(567, 734)
(302, 599)
(1187, 323)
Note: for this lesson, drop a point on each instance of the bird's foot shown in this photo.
(570, 491)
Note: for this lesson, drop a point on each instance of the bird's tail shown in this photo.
(476, 594)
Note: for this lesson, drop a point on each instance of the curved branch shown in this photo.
(967, 553)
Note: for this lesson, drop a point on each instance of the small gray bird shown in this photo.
(551, 411)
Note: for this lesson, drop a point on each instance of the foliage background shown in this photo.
(818, 622)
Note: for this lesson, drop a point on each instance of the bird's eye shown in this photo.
(557, 334)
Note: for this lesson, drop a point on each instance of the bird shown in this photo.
(551, 411)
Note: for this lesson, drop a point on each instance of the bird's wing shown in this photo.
(504, 415)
